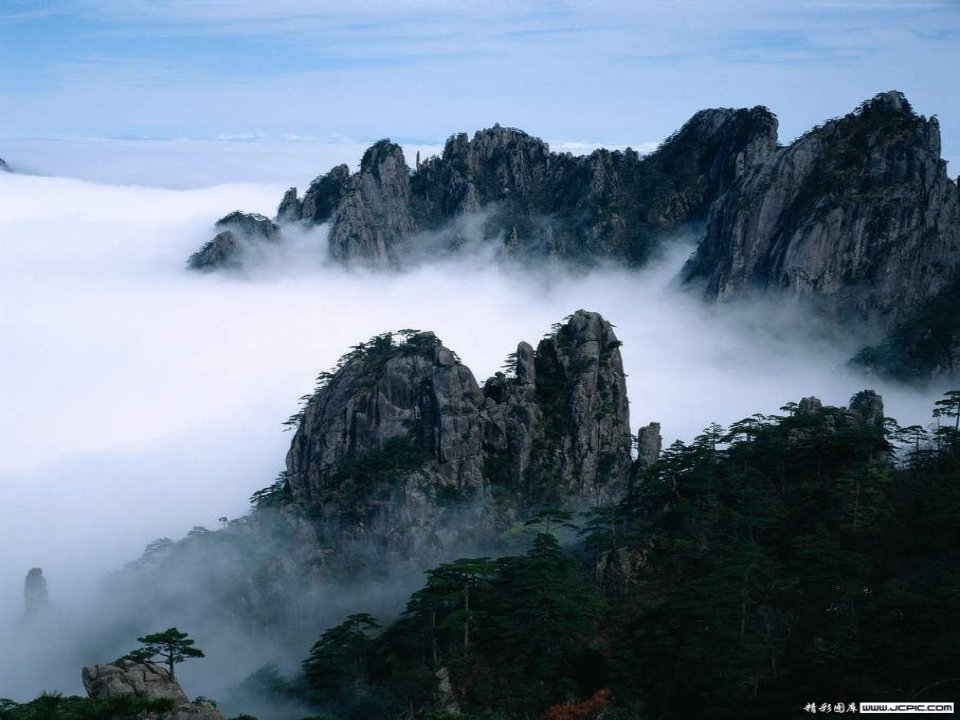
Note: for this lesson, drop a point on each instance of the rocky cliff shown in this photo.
(401, 441)
(857, 217)
(527, 199)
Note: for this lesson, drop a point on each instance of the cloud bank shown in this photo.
(141, 400)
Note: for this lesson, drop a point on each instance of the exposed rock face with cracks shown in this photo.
(147, 681)
(401, 437)
(532, 202)
(857, 218)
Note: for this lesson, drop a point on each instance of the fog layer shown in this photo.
(141, 400)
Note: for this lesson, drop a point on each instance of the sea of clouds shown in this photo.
(140, 400)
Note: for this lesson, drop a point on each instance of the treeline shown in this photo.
(812, 557)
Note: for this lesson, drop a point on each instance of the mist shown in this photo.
(141, 400)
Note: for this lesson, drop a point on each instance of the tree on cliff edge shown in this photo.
(171, 645)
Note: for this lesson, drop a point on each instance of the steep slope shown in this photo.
(530, 201)
(857, 216)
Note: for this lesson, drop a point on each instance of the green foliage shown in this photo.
(363, 477)
(171, 645)
(766, 564)
(337, 657)
(154, 553)
(53, 706)
(336, 672)
(551, 519)
(266, 687)
(275, 495)
(515, 633)
(949, 407)
(796, 561)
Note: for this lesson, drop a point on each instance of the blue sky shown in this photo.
(418, 70)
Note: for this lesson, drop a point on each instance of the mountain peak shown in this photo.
(380, 153)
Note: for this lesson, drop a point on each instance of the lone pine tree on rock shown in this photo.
(171, 645)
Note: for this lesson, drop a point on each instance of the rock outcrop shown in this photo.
(857, 217)
(35, 598)
(390, 443)
(401, 440)
(649, 445)
(399, 461)
(527, 200)
(374, 216)
(320, 201)
(864, 411)
(4, 167)
(559, 431)
(925, 345)
(147, 681)
(227, 249)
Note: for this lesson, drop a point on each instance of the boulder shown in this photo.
(147, 681)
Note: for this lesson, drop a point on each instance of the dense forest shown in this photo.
(809, 557)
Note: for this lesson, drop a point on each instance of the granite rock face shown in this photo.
(857, 217)
(373, 216)
(649, 445)
(401, 460)
(536, 203)
(387, 448)
(559, 431)
(324, 195)
(401, 438)
(227, 249)
(290, 208)
(147, 681)
(527, 200)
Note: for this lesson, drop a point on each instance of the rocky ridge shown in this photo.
(528, 200)
(857, 219)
